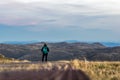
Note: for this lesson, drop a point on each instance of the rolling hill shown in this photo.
(62, 51)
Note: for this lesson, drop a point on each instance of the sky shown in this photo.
(60, 20)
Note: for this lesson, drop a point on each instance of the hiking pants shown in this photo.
(44, 56)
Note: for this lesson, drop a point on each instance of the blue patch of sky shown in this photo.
(9, 33)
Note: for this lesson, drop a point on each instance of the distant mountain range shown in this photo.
(61, 51)
(19, 42)
(111, 44)
(108, 44)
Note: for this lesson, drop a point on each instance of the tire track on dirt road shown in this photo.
(65, 71)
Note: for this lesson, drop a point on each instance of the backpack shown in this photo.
(45, 50)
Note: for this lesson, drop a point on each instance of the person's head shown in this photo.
(45, 44)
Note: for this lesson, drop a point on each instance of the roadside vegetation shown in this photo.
(94, 69)
(4, 60)
(99, 70)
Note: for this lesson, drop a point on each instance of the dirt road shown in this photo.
(41, 71)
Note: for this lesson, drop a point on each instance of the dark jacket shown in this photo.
(43, 48)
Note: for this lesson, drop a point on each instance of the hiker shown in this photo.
(44, 51)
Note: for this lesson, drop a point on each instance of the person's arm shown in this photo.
(42, 49)
(48, 49)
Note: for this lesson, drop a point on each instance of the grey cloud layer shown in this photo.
(46, 15)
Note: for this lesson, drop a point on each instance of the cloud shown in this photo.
(47, 14)
(110, 7)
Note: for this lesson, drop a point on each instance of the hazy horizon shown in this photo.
(32, 41)
(60, 20)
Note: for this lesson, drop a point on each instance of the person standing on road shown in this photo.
(44, 51)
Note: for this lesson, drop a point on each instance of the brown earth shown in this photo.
(66, 72)
(44, 75)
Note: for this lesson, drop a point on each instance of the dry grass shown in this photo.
(95, 70)
(99, 70)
